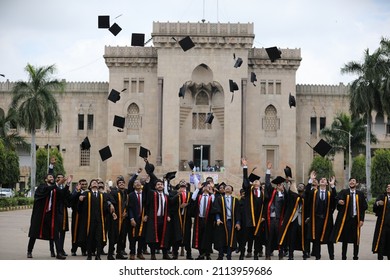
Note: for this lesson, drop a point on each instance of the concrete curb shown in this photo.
(11, 208)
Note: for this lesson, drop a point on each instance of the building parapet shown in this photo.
(340, 89)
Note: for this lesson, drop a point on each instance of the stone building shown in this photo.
(254, 121)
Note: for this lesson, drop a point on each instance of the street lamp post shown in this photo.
(349, 151)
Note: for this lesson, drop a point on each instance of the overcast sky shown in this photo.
(64, 32)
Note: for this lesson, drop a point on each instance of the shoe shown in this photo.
(175, 256)
(248, 255)
(97, 258)
(166, 257)
(255, 257)
(132, 257)
(64, 253)
(153, 257)
(331, 257)
(182, 252)
(123, 252)
(52, 254)
(110, 257)
(140, 256)
(281, 257)
(261, 254)
(220, 258)
(84, 253)
(208, 258)
(60, 257)
(74, 254)
(229, 258)
(291, 257)
(189, 257)
(29, 255)
(120, 257)
(200, 257)
(89, 258)
(267, 258)
(146, 252)
(355, 258)
(241, 257)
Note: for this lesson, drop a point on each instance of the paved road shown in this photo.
(14, 227)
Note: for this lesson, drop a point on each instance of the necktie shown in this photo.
(228, 207)
(139, 204)
(353, 204)
(95, 194)
(161, 205)
(322, 195)
(204, 205)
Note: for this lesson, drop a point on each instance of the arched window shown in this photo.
(271, 120)
(202, 98)
(133, 117)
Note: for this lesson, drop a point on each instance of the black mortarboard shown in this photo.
(115, 29)
(191, 164)
(143, 152)
(278, 180)
(186, 43)
(273, 53)
(291, 100)
(114, 96)
(105, 153)
(232, 86)
(287, 172)
(253, 177)
(137, 39)
(85, 145)
(170, 175)
(182, 91)
(104, 22)
(119, 121)
(209, 118)
(238, 62)
(322, 148)
(253, 78)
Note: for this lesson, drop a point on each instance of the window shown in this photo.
(271, 120)
(202, 98)
(133, 117)
(126, 84)
(85, 157)
(270, 88)
(278, 88)
(132, 157)
(57, 128)
(313, 126)
(133, 86)
(81, 121)
(387, 128)
(263, 87)
(141, 86)
(322, 123)
(198, 121)
(90, 122)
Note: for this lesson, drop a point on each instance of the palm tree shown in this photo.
(366, 94)
(340, 130)
(36, 106)
(11, 139)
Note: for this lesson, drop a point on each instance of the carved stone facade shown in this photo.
(254, 121)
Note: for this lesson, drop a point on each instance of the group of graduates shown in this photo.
(149, 213)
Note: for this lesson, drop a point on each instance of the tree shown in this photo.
(36, 105)
(11, 139)
(367, 94)
(358, 168)
(42, 162)
(9, 167)
(322, 166)
(380, 171)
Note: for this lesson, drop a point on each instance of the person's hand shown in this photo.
(341, 202)
(380, 203)
(269, 165)
(53, 160)
(145, 219)
(238, 227)
(133, 223)
(168, 219)
(313, 175)
(69, 179)
(332, 180)
(114, 216)
(139, 170)
(244, 162)
(219, 222)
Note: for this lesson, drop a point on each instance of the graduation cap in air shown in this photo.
(191, 164)
(322, 147)
(105, 153)
(273, 53)
(278, 180)
(119, 122)
(253, 177)
(85, 145)
(232, 87)
(114, 95)
(115, 29)
(182, 91)
(291, 101)
(186, 43)
(238, 62)
(210, 118)
(104, 22)
(287, 172)
(253, 78)
(137, 39)
(143, 152)
(170, 175)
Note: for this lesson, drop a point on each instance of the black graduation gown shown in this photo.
(137, 213)
(181, 218)
(381, 242)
